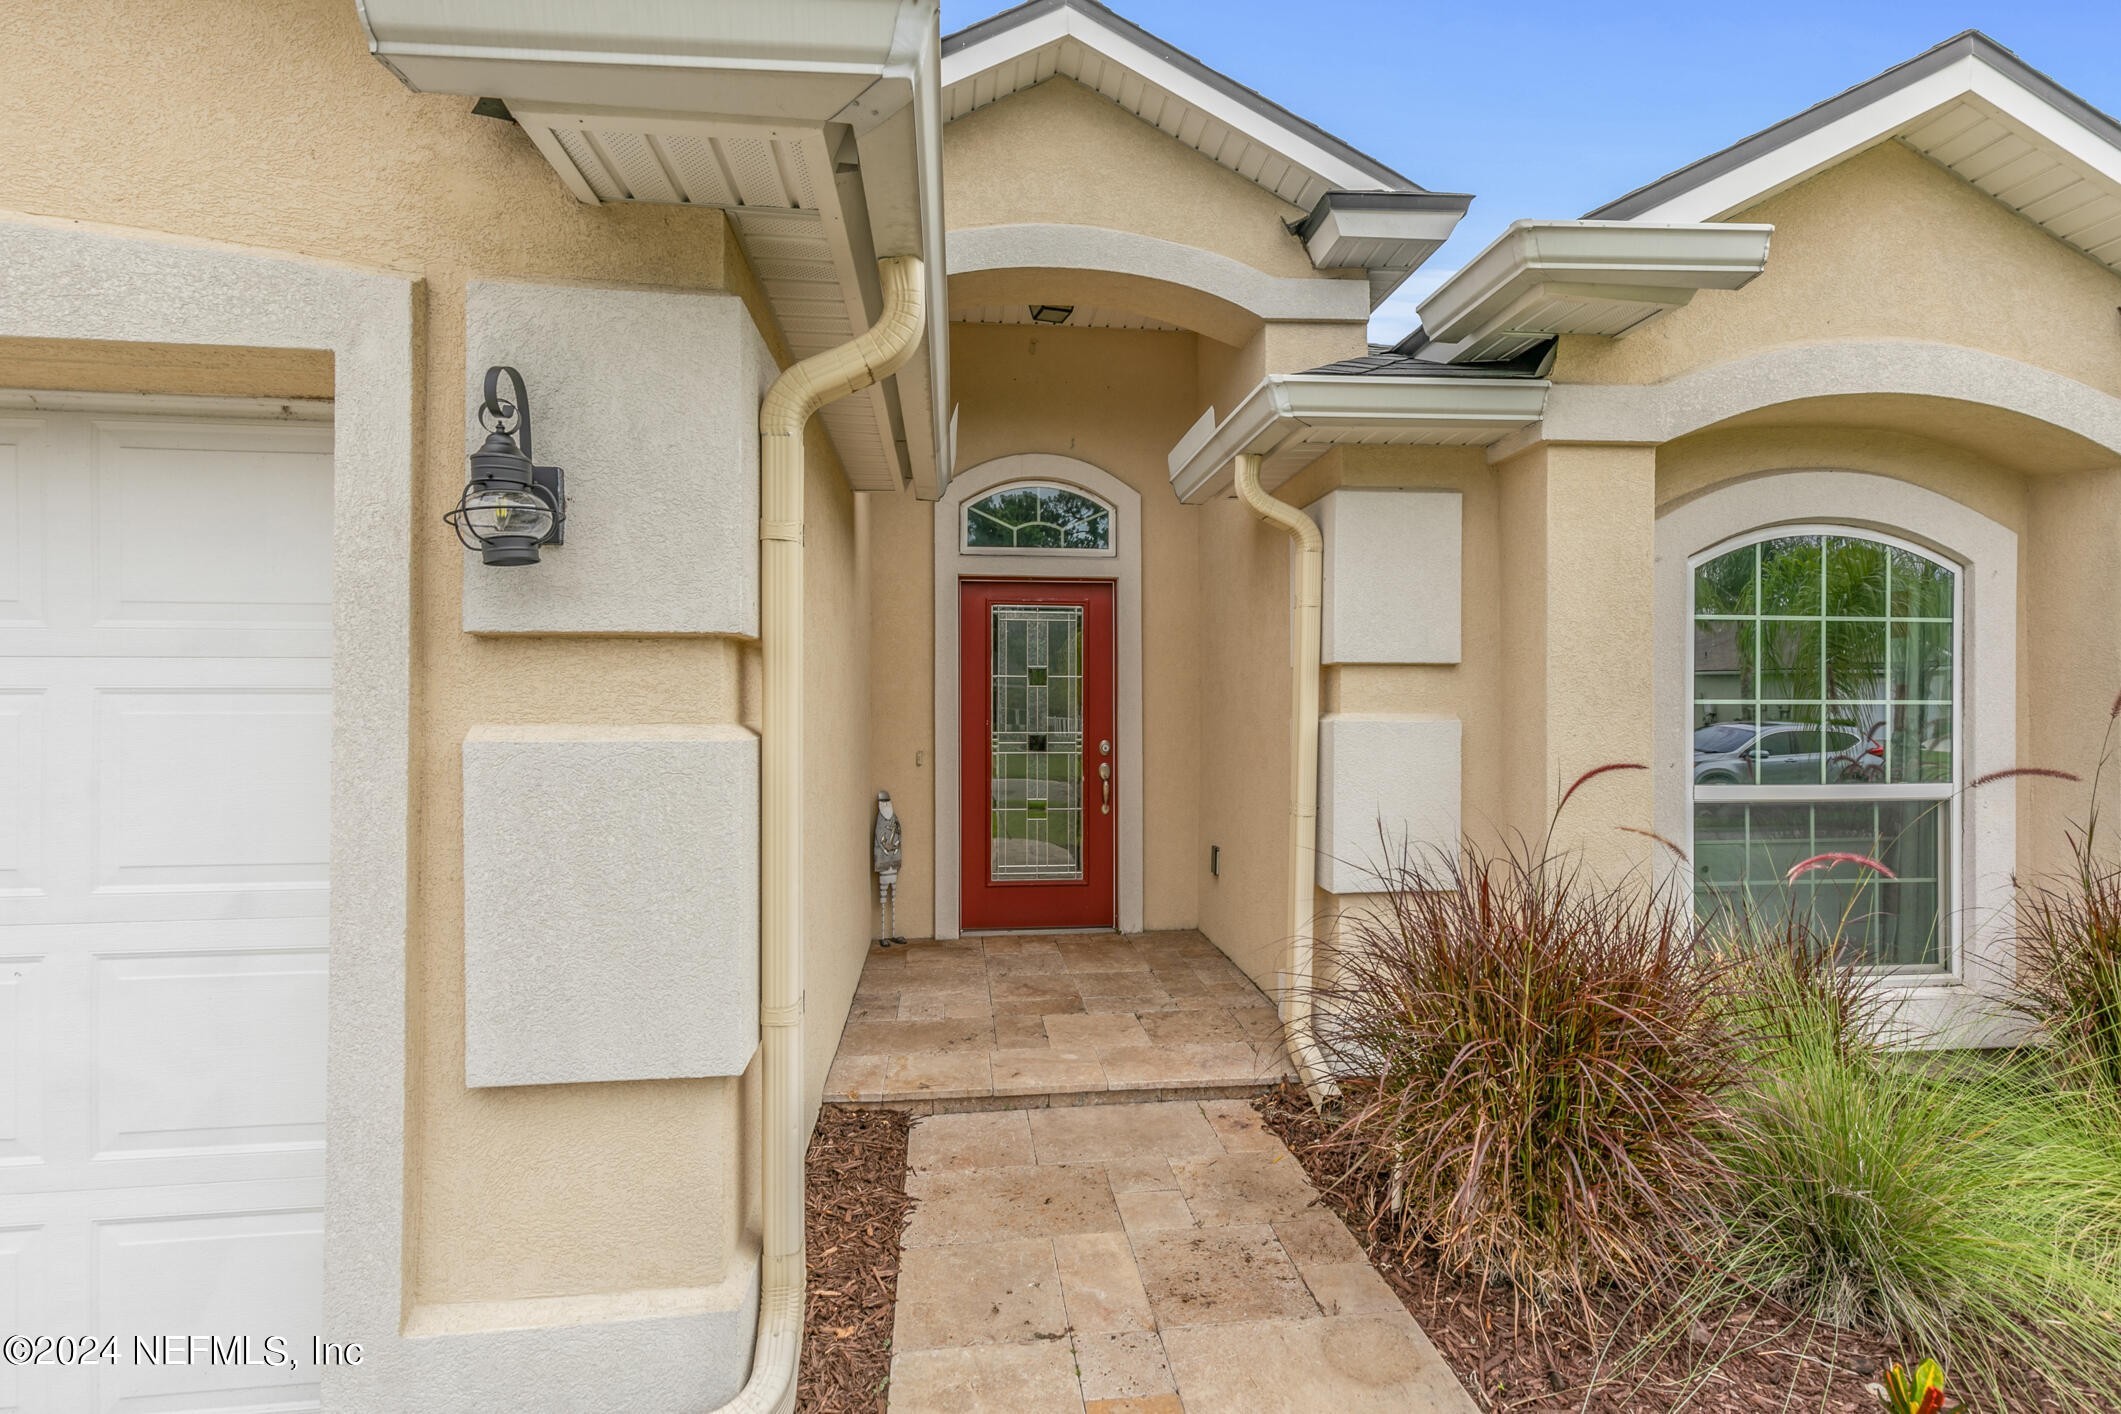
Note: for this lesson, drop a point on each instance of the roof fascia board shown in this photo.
(701, 58)
(1621, 261)
(1779, 157)
(1781, 164)
(897, 130)
(1286, 405)
(1013, 34)
(1389, 233)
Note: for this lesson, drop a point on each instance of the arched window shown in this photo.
(1825, 697)
(1038, 519)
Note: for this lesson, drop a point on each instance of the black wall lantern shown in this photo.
(509, 507)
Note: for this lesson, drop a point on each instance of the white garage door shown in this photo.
(165, 722)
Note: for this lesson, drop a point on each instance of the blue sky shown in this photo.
(1544, 109)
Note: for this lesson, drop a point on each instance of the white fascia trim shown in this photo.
(1065, 22)
(1623, 261)
(801, 64)
(1287, 405)
(1783, 167)
(1044, 246)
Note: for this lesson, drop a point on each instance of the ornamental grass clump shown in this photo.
(1959, 1204)
(1532, 1061)
(2069, 957)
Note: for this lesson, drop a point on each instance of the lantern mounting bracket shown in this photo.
(499, 414)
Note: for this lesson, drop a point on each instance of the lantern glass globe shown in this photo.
(494, 511)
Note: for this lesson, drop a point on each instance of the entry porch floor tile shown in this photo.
(1061, 1019)
(1154, 1258)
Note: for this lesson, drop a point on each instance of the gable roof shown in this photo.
(1969, 104)
(1163, 86)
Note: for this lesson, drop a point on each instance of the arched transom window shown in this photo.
(1825, 690)
(1038, 518)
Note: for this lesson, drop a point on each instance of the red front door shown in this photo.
(1040, 764)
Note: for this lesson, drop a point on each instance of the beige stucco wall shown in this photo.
(268, 124)
(1060, 153)
(1889, 246)
(1886, 245)
(1245, 701)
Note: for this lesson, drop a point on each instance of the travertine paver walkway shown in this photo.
(1051, 1020)
(1140, 1259)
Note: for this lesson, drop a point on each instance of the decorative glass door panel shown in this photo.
(1035, 742)
(1038, 758)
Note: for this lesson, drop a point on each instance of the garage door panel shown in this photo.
(23, 456)
(212, 526)
(17, 1256)
(22, 791)
(226, 1273)
(212, 789)
(210, 1053)
(165, 742)
(22, 1008)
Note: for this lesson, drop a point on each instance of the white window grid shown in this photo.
(1944, 794)
(972, 509)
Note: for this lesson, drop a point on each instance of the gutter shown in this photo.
(1299, 981)
(1542, 278)
(1288, 409)
(795, 396)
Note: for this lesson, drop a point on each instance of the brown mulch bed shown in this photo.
(853, 1212)
(1762, 1359)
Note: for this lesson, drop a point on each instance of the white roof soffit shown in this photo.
(1543, 278)
(1360, 214)
(1969, 105)
(814, 123)
(1291, 419)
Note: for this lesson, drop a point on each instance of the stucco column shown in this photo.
(2071, 602)
(1578, 541)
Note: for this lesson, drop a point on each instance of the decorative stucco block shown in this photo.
(1392, 574)
(611, 907)
(649, 400)
(1383, 782)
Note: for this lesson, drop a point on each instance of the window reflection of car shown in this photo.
(1783, 753)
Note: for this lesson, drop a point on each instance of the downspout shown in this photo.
(799, 392)
(1310, 572)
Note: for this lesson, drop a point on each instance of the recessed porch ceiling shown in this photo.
(1080, 317)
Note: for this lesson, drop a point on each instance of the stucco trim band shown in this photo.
(1274, 298)
(1658, 413)
(1125, 569)
(1956, 1009)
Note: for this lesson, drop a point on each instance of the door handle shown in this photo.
(1104, 778)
